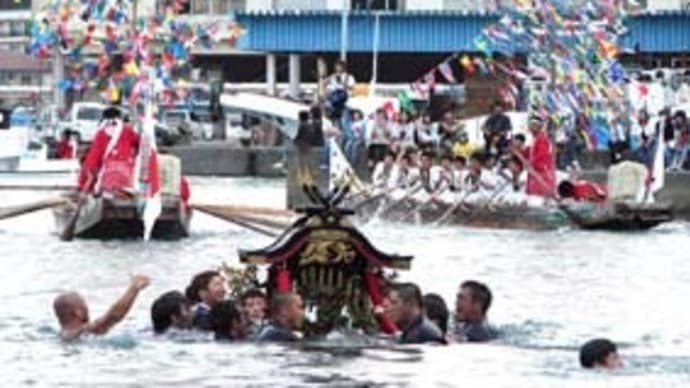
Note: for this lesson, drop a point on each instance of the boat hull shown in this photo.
(583, 215)
(106, 219)
(472, 215)
(618, 216)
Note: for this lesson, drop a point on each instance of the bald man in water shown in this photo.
(72, 311)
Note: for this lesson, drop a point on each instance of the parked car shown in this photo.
(83, 120)
(180, 120)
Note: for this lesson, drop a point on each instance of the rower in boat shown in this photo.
(444, 181)
(383, 172)
(479, 181)
(424, 186)
(404, 177)
(513, 182)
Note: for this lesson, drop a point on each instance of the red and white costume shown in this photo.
(543, 181)
(109, 164)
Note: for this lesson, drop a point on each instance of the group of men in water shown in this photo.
(518, 175)
(205, 307)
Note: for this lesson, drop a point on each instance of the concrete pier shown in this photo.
(220, 159)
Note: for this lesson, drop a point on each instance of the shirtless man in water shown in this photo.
(72, 311)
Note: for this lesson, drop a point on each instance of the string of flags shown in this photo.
(105, 50)
(571, 46)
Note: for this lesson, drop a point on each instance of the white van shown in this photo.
(83, 119)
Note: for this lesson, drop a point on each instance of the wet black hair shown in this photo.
(223, 316)
(480, 293)
(111, 112)
(409, 293)
(252, 293)
(199, 282)
(437, 311)
(595, 352)
(477, 156)
(566, 189)
(164, 308)
(429, 154)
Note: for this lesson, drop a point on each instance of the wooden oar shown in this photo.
(452, 209)
(488, 202)
(68, 232)
(237, 221)
(408, 194)
(244, 209)
(261, 221)
(15, 211)
(373, 198)
(419, 207)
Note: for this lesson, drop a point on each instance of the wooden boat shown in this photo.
(325, 259)
(581, 215)
(494, 216)
(117, 215)
(618, 216)
(113, 218)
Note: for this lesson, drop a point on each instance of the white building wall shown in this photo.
(413, 5)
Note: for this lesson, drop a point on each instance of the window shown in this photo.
(15, 5)
(201, 7)
(5, 28)
(216, 7)
(302, 4)
(26, 79)
(92, 114)
(161, 6)
(378, 5)
(18, 28)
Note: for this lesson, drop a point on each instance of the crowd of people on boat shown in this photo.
(507, 171)
(205, 307)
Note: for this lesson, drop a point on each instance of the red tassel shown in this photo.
(374, 289)
(284, 281)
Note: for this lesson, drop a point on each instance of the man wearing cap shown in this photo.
(497, 130)
(109, 163)
(541, 180)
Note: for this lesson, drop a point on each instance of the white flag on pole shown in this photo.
(149, 177)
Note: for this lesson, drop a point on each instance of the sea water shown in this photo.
(552, 292)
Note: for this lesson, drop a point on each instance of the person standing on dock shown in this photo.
(67, 146)
(72, 311)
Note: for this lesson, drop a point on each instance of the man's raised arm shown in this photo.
(121, 307)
